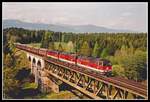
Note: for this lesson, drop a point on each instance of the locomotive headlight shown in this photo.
(107, 68)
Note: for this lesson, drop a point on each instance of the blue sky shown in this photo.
(132, 15)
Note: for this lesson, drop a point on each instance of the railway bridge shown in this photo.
(48, 72)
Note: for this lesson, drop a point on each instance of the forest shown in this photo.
(126, 51)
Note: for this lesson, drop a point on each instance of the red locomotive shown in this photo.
(43, 52)
(96, 64)
(21, 46)
(53, 54)
(67, 57)
(101, 65)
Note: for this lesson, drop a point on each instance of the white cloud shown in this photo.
(114, 15)
(126, 14)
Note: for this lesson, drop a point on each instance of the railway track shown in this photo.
(125, 83)
(134, 87)
(137, 84)
(117, 81)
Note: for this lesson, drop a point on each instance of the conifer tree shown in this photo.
(85, 49)
(96, 50)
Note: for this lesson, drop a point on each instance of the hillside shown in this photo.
(59, 28)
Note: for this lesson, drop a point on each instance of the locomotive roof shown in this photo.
(89, 58)
(94, 59)
(53, 51)
(42, 48)
(105, 61)
(68, 53)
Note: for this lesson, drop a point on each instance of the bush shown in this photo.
(117, 70)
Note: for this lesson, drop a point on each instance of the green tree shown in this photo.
(60, 48)
(135, 66)
(96, 50)
(141, 61)
(10, 85)
(11, 43)
(8, 60)
(118, 70)
(63, 38)
(85, 49)
(105, 52)
(78, 46)
(47, 40)
(70, 47)
(51, 46)
(42, 41)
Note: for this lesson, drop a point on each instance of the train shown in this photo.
(100, 65)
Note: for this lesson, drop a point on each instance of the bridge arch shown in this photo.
(29, 58)
(39, 65)
(34, 61)
(33, 65)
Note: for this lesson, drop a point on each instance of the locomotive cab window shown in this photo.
(101, 63)
(109, 64)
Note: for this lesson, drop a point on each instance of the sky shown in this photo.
(131, 16)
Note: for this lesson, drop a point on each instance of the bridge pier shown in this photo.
(45, 84)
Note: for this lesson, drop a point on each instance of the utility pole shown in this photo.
(76, 44)
(76, 47)
(59, 41)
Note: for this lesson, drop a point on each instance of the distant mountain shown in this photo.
(58, 28)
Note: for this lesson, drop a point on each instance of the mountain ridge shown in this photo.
(61, 27)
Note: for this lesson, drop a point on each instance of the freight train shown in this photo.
(96, 64)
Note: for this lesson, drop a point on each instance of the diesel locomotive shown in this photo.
(102, 66)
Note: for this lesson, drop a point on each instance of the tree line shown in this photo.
(126, 51)
(97, 44)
